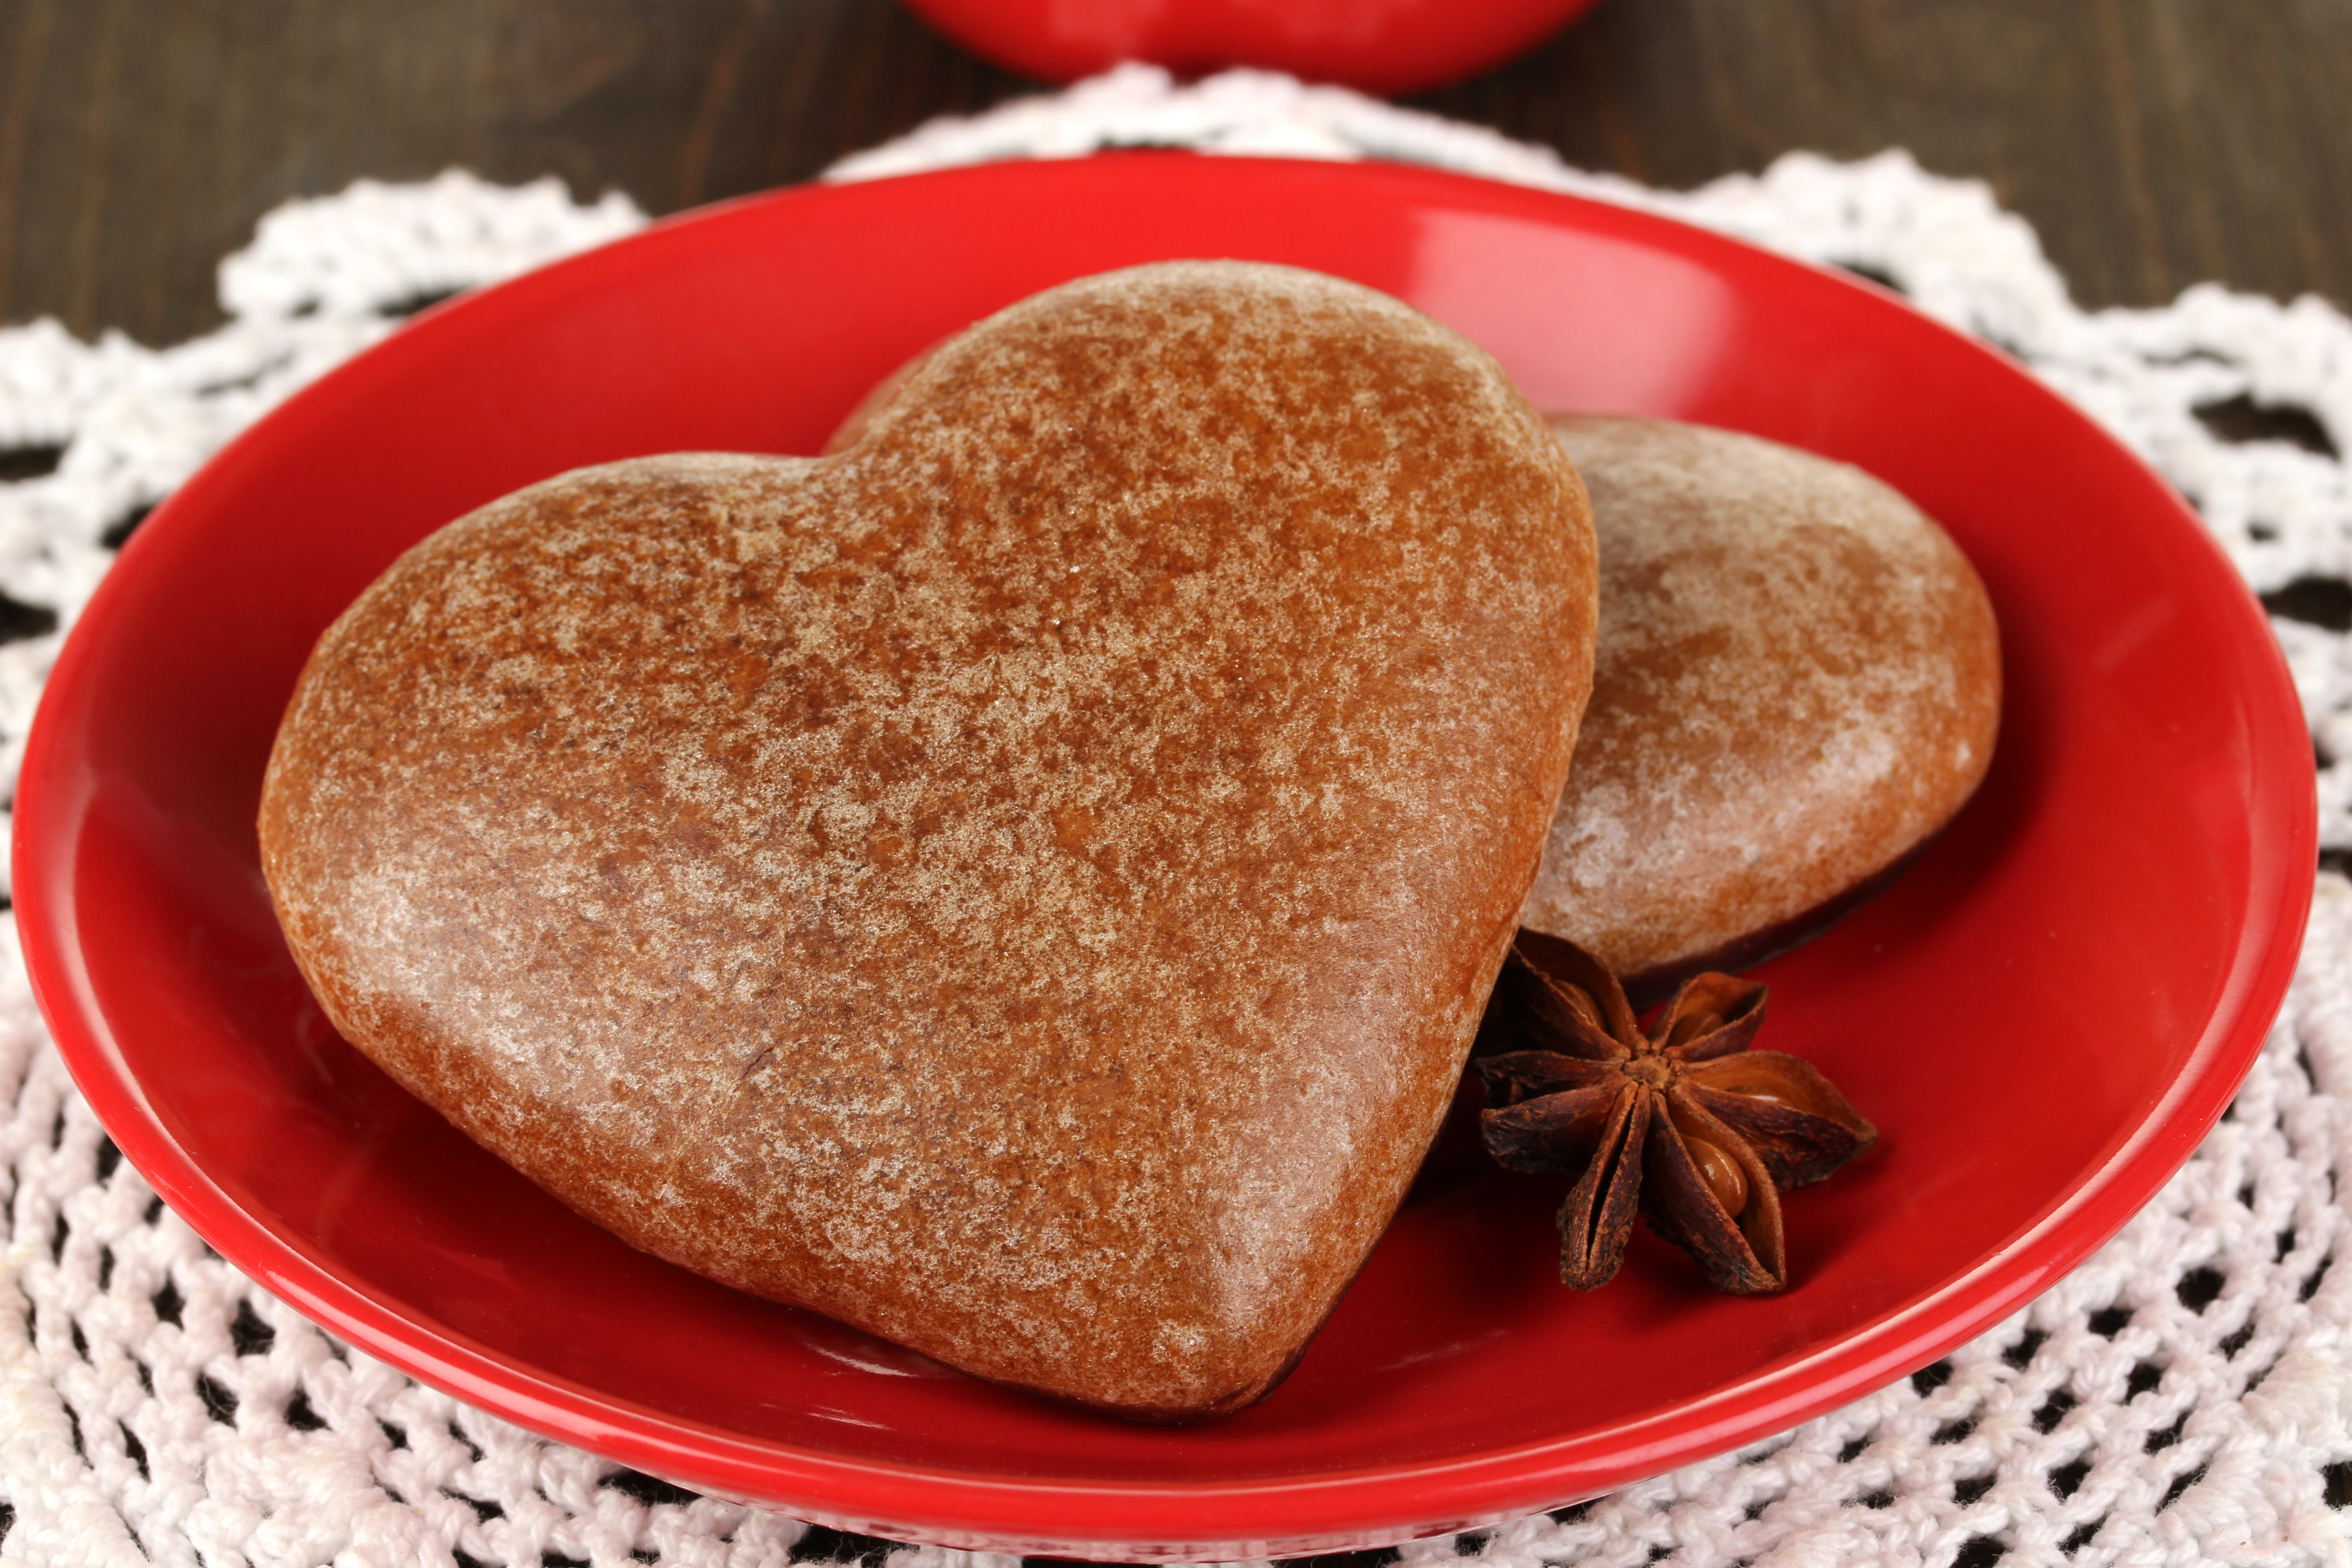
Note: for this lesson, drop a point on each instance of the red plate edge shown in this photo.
(1294, 1513)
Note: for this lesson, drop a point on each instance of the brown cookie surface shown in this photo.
(1024, 884)
(1798, 681)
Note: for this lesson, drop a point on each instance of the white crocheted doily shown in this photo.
(2185, 1396)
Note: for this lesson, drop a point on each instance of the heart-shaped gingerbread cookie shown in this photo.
(1024, 884)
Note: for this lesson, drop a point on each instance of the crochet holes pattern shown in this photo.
(2241, 419)
(822, 1544)
(1872, 273)
(473, 1448)
(20, 463)
(2314, 601)
(2199, 1289)
(117, 534)
(248, 1334)
(410, 304)
(648, 1490)
(19, 620)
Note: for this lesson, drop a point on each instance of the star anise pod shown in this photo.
(1687, 1126)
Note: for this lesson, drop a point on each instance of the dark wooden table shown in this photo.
(2153, 142)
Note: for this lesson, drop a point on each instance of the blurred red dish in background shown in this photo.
(1380, 45)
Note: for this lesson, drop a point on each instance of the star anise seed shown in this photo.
(1687, 1126)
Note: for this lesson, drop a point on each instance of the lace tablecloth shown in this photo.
(2185, 1396)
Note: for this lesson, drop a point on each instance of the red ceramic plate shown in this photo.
(2113, 920)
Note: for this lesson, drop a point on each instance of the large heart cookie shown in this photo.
(1025, 885)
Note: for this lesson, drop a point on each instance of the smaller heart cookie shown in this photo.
(1024, 884)
(1798, 683)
